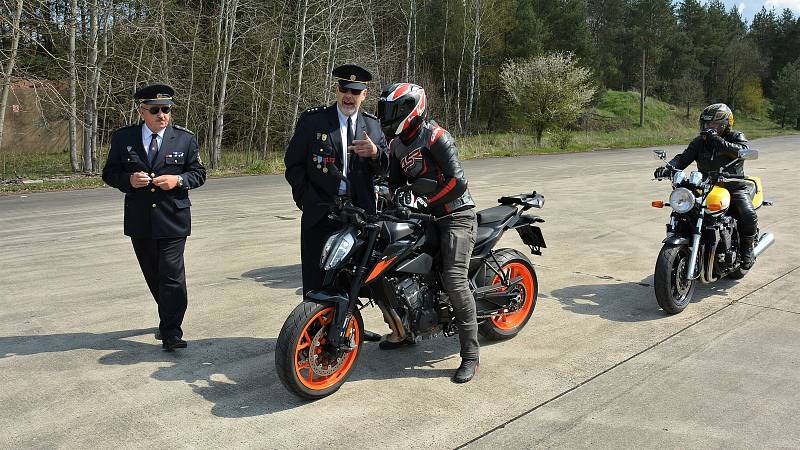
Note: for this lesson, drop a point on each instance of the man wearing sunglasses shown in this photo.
(156, 163)
(348, 138)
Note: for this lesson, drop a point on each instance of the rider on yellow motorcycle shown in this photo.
(715, 147)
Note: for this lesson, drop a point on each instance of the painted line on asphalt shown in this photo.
(609, 369)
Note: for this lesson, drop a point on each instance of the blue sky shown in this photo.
(749, 8)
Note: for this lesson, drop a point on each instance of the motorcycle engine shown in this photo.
(421, 301)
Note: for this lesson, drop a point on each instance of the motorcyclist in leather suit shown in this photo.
(423, 149)
(716, 146)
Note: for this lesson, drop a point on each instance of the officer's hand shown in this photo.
(662, 172)
(166, 182)
(140, 179)
(364, 148)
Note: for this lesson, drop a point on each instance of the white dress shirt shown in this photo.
(147, 134)
(343, 132)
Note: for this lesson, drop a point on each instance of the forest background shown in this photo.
(245, 69)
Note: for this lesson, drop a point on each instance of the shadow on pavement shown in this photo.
(627, 301)
(235, 374)
(281, 277)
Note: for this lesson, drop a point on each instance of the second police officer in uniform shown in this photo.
(352, 140)
(156, 163)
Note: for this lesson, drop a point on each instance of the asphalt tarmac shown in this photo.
(598, 365)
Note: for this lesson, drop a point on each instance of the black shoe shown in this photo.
(371, 336)
(157, 335)
(467, 370)
(171, 343)
(389, 345)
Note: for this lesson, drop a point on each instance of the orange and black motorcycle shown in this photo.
(389, 259)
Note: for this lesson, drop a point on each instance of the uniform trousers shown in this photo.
(161, 261)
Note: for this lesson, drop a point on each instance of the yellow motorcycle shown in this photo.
(702, 242)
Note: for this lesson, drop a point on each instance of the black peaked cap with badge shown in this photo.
(351, 76)
(155, 94)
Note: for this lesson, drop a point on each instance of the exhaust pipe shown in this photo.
(764, 242)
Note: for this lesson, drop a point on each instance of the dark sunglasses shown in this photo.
(154, 109)
(352, 91)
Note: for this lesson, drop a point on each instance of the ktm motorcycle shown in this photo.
(702, 242)
(389, 259)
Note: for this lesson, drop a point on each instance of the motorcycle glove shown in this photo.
(662, 172)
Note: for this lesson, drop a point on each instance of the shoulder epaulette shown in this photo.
(314, 110)
(178, 127)
(371, 116)
(125, 127)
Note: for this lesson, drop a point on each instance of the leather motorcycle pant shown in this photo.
(457, 239)
(746, 216)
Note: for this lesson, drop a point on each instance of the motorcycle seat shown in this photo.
(483, 234)
(499, 213)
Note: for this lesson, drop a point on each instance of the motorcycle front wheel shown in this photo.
(305, 364)
(512, 264)
(673, 290)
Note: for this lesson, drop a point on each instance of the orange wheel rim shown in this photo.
(310, 365)
(526, 288)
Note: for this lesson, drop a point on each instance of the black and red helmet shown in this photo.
(402, 108)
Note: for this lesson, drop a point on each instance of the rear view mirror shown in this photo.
(661, 154)
(748, 154)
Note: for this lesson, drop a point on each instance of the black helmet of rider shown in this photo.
(717, 117)
(402, 108)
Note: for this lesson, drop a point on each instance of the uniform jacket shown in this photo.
(151, 212)
(713, 154)
(431, 154)
(316, 142)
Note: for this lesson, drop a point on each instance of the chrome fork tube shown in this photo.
(695, 248)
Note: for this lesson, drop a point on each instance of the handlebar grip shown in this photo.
(425, 217)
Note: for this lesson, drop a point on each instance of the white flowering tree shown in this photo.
(548, 91)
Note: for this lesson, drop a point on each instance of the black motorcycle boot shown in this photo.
(467, 370)
(746, 247)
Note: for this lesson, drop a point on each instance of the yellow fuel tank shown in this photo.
(719, 199)
(758, 199)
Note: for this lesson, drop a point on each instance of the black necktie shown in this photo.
(153, 149)
(349, 142)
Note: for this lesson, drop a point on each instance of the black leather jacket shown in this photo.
(431, 154)
(712, 154)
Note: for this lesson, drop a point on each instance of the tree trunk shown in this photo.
(230, 26)
(460, 65)
(642, 91)
(278, 48)
(90, 96)
(445, 100)
(9, 68)
(209, 144)
(191, 66)
(73, 89)
(301, 63)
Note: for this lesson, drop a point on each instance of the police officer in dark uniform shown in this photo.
(351, 139)
(155, 163)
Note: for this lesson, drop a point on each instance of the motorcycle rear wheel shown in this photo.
(673, 290)
(515, 264)
(301, 360)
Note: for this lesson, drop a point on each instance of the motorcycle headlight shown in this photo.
(682, 200)
(337, 247)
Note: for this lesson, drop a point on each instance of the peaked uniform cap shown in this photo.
(351, 76)
(155, 94)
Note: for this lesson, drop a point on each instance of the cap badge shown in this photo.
(352, 78)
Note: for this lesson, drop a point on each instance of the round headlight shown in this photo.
(682, 200)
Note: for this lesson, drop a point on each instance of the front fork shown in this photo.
(698, 231)
(338, 326)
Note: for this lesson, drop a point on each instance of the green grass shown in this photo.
(612, 123)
